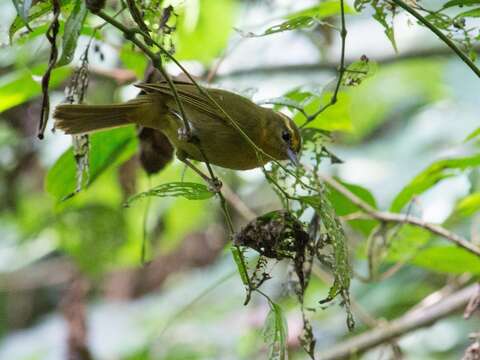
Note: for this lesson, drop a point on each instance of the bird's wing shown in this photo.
(188, 93)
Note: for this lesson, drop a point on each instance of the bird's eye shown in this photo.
(286, 136)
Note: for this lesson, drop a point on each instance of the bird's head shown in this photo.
(281, 137)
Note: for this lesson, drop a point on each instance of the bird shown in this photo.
(214, 139)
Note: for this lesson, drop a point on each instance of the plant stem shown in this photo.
(441, 35)
(341, 68)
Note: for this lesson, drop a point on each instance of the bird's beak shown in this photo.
(292, 156)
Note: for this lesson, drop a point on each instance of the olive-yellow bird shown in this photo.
(222, 144)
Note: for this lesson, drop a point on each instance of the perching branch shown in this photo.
(389, 217)
(411, 321)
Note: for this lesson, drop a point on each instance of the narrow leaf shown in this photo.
(107, 149)
(470, 13)
(73, 26)
(275, 333)
(453, 3)
(473, 135)
(469, 205)
(304, 18)
(342, 270)
(19, 86)
(188, 190)
(23, 7)
(239, 261)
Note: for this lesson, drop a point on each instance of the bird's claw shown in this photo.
(215, 185)
(185, 135)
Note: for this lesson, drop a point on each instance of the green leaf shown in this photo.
(23, 7)
(275, 333)
(344, 206)
(204, 28)
(449, 259)
(304, 18)
(107, 149)
(396, 90)
(470, 13)
(358, 71)
(73, 26)
(300, 22)
(188, 190)
(381, 14)
(473, 135)
(240, 262)
(36, 11)
(468, 206)
(334, 118)
(432, 175)
(19, 86)
(322, 10)
(406, 242)
(336, 235)
(134, 60)
(460, 3)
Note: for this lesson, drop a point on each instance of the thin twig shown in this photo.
(330, 66)
(441, 35)
(398, 327)
(400, 218)
(341, 68)
(237, 203)
(137, 17)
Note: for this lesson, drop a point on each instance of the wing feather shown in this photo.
(188, 93)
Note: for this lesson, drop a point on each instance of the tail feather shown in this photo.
(81, 119)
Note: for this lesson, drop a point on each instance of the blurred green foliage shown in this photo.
(94, 230)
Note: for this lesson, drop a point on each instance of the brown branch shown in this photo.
(332, 66)
(237, 203)
(389, 217)
(398, 327)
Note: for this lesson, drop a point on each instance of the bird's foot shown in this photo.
(185, 134)
(214, 185)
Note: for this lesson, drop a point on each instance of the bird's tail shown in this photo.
(81, 119)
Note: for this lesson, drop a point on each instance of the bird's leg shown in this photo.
(214, 183)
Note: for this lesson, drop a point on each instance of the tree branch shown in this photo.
(411, 321)
(400, 218)
(332, 66)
